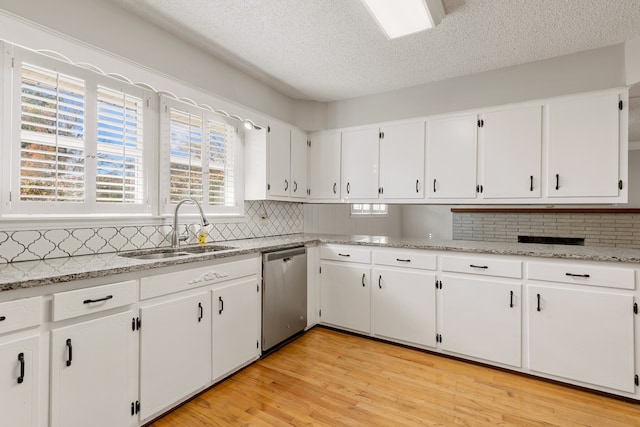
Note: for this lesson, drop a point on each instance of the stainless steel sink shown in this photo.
(172, 253)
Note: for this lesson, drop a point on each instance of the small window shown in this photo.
(369, 210)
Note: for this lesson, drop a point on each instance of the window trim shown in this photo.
(12, 205)
(360, 212)
(165, 207)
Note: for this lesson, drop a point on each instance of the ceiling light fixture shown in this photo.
(403, 17)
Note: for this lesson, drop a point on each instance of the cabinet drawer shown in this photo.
(411, 259)
(20, 314)
(583, 274)
(482, 266)
(191, 278)
(342, 253)
(67, 305)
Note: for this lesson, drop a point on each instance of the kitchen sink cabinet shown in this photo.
(175, 350)
(451, 157)
(585, 146)
(19, 381)
(510, 154)
(324, 166)
(93, 373)
(481, 318)
(402, 161)
(582, 335)
(235, 326)
(404, 306)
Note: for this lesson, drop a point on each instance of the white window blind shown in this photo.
(202, 158)
(119, 174)
(52, 136)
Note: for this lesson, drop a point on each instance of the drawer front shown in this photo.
(67, 305)
(164, 284)
(483, 266)
(345, 253)
(411, 259)
(583, 274)
(20, 314)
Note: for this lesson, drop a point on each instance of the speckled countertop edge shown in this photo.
(31, 274)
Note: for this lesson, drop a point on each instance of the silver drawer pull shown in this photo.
(479, 266)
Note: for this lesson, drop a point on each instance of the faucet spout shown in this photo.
(175, 241)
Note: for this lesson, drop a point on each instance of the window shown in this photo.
(369, 210)
(78, 140)
(199, 154)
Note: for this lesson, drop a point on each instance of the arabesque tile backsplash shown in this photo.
(27, 245)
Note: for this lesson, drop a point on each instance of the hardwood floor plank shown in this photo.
(328, 378)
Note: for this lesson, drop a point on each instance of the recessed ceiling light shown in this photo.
(402, 17)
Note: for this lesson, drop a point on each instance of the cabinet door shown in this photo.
(235, 326)
(482, 318)
(451, 157)
(298, 164)
(279, 161)
(175, 351)
(360, 164)
(584, 147)
(324, 166)
(93, 375)
(402, 161)
(582, 335)
(404, 306)
(512, 150)
(345, 296)
(18, 382)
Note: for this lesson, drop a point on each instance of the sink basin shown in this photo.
(177, 252)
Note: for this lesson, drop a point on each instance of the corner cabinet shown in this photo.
(324, 166)
(585, 146)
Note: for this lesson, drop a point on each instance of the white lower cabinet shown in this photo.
(93, 373)
(482, 318)
(19, 382)
(403, 306)
(175, 350)
(345, 296)
(582, 335)
(236, 326)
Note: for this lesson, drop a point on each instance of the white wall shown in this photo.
(580, 72)
(336, 219)
(102, 24)
(424, 221)
(632, 60)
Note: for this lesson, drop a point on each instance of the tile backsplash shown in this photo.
(25, 245)
(598, 229)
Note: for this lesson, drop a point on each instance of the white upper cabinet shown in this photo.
(324, 166)
(360, 164)
(279, 183)
(402, 161)
(451, 157)
(511, 150)
(298, 188)
(584, 144)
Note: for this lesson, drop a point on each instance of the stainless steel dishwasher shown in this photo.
(284, 295)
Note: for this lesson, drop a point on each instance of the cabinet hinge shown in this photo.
(635, 308)
(479, 188)
(308, 143)
(138, 323)
(308, 191)
(381, 135)
(135, 407)
(480, 123)
(438, 338)
(620, 105)
(380, 190)
(268, 186)
(636, 381)
(133, 324)
(438, 284)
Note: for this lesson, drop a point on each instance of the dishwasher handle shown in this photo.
(284, 254)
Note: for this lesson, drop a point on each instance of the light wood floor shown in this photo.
(327, 378)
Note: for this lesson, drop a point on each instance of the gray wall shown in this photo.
(336, 219)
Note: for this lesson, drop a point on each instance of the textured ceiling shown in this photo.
(332, 49)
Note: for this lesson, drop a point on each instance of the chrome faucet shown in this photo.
(175, 240)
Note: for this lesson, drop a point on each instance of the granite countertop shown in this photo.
(29, 274)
